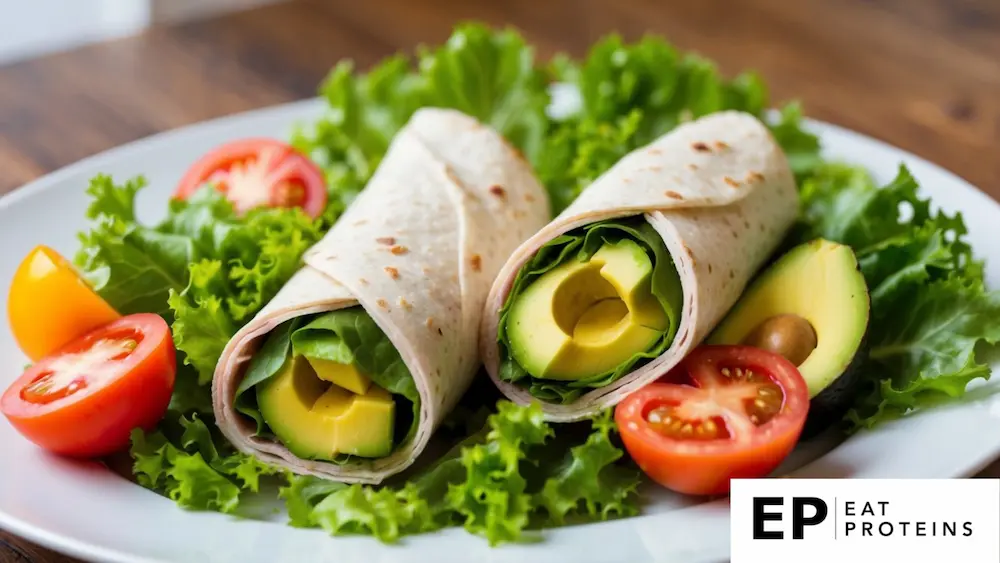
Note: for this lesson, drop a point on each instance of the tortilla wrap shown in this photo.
(720, 193)
(418, 250)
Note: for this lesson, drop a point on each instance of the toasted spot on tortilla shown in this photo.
(673, 195)
(362, 281)
(529, 198)
(690, 252)
(393, 272)
(732, 274)
(399, 250)
(498, 191)
(710, 268)
(754, 176)
(388, 241)
(721, 145)
(732, 183)
(406, 305)
(700, 147)
(692, 166)
(476, 262)
(429, 323)
(382, 303)
(452, 176)
(654, 150)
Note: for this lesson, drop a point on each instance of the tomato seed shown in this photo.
(662, 420)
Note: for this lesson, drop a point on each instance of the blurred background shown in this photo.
(81, 76)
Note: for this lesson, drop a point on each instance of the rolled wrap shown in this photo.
(418, 250)
(721, 195)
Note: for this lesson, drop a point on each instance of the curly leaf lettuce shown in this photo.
(194, 467)
(203, 268)
(494, 483)
(581, 244)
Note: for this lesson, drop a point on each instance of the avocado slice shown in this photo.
(587, 317)
(315, 419)
(811, 306)
(347, 376)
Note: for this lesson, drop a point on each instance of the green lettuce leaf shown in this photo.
(193, 466)
(577, 151)
(131, 266)
(490, 482)
(203, 268)
(588, 482)
(924, 351)
(930, 309)
(581, 244)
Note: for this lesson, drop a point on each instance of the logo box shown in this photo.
(859, 520)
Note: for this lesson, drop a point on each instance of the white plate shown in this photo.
(86, 511)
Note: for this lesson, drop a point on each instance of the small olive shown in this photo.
(790, 336)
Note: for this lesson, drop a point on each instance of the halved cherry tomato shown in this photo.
(259, 173)
(726, 412)
(49, 304)
(85, 399)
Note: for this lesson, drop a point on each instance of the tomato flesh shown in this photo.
(85, 399)
(259, 173)
(74, 371)
(726, 412)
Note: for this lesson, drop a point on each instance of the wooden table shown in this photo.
(923, 75)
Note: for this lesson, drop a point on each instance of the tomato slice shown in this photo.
(725, 412)
(49, 305)
(259, 172)
(85, 399)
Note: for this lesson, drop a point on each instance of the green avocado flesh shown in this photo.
(590, 307)
(818, 282)
(330, 387)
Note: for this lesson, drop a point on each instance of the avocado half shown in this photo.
(819, 281)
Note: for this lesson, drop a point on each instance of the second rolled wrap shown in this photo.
(708, 203)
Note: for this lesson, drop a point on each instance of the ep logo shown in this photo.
(805, 511)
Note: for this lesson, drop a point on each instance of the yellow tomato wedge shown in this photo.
(49, 305)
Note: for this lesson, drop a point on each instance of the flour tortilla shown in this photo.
(418, 249)
(719, 192)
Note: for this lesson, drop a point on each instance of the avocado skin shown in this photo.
(830, 405)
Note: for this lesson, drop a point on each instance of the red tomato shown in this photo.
(85, 399)
(726, 412)
(259, 173)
